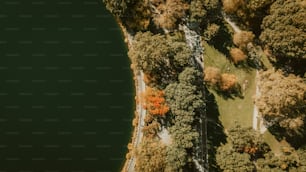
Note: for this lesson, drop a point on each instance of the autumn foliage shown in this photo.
(228, 82)
(155, 102)
(224, 82)
(212, 76)
(237, 55)
(241, 39)
(168, 12)
(282, 100)
(230, 6)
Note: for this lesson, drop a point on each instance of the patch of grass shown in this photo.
(273, 142)
(236, 109)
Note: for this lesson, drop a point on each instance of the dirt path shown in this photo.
(232, 24)
(257, 120)
(140, 85)
(141, 112)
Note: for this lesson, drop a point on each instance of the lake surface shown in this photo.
(66, 89)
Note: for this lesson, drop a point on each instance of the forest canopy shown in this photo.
(282, 100)
(160, 57)
(284, 30)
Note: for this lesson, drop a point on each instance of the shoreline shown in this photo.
(136, 119)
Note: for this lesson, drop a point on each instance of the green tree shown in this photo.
(230, 161)
(211, 31)
(160, 57)
(117, 7)
(301, 152)
(203, 11)
(282, 100)
(150, 156)
(135, 15)
(245, 146)
(185, 99)
(247, 140)
(185, 95)
(278, 163)
(255, 5)
(176, 158)
(197, 11)
(138, 16)
(284, 29)
(168, 12)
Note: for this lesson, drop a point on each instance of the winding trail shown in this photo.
(193, 40)
(232, 24)
(140, 86)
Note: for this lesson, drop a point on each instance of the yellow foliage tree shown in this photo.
(237, 55)
(212, 76)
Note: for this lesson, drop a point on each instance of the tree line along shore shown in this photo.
(267, 36)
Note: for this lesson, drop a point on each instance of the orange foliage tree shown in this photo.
(155, 102)
(237, 55)
(228, 82)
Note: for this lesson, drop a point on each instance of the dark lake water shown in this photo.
(66, 89)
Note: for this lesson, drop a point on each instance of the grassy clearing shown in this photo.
(238, 109)
(232, 109)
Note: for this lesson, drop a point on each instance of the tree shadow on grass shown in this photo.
(223, 40)
(288, 65)
(296, 140)
(215, 130)
(231, 94)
